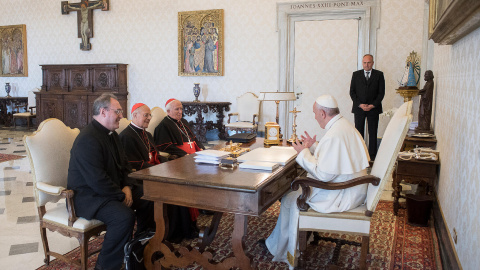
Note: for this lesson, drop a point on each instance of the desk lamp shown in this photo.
(271, 137)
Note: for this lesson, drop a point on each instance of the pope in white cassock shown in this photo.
(339, 156)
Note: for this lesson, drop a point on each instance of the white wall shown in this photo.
(457, 83)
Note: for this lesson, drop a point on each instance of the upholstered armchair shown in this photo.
(48, 150)
(31, 110)
(357, 220)
(157, 116)
(124, 122)
(248, 108)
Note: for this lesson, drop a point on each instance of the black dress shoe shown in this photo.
(263, 244)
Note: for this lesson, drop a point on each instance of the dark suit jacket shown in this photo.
(167, 136)
(371, 92)
(98, 169)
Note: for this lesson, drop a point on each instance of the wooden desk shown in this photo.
(5, 103)
(413, 171)
(200, 126)
(241, 192)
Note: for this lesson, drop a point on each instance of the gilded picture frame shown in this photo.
(450, 21)
(201, 43)
(13, 47)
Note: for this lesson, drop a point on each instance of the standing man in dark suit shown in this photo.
(98, 174)
(367, 90)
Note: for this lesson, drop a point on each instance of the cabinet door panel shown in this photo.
(78, 79)
(75, 111)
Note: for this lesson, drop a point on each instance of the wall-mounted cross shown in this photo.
(84, 11)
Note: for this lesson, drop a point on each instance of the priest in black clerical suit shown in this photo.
(138, 143)
(173, 135)
(142, 153)
(367, 90)
(98, 175)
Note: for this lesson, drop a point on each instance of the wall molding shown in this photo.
(448, 254)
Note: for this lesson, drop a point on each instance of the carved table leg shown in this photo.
(208, 233)
(239, 231)
(154, 245)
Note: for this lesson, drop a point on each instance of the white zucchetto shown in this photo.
(327, 101)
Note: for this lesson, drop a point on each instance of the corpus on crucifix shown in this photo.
(85, 18)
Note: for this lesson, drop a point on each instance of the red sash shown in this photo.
(190, 148)
(154, 158)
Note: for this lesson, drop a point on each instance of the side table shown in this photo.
(200, 126)
(413, 171)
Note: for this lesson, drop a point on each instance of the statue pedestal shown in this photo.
(407, 92)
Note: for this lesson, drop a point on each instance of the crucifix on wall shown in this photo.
(84, 11)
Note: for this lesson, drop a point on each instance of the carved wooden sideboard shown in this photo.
(68, 91)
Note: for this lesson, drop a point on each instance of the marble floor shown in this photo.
(20, 244)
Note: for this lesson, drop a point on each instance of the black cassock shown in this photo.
(170, 133)
(139, 148)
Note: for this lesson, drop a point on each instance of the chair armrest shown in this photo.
(72, 217)
(254, 116)
(229, 115)
(306, 183)
(49, 189)
(164, 154)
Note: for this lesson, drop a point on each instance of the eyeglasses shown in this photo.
(147, 115)
(117, 111)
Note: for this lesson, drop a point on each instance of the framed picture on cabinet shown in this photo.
(13, 57)
(200, 43)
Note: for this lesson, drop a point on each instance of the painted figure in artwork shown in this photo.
(187, 49)
(425, 111)
(208, 60)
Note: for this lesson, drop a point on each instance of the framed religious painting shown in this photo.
(451, 20)
(200, 43)
(13, 59)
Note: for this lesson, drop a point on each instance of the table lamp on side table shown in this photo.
(277, 97)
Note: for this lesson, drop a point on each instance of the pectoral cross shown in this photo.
(85, 18)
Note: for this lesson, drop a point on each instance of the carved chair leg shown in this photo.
(84, 252)
(302, 246)
(364, 252)
(46, 250)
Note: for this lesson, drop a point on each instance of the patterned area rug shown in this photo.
(7, 157)
(393, 244)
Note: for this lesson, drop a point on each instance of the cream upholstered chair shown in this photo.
(157, 116)
(248, 108)
(124, 122)
(48, 150)
(356, 220)
(31, 110)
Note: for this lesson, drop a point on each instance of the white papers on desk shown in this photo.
(275, 154)
(259, 165)
(210, 156)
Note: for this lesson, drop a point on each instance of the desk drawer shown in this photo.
(417, 169)
(276, 189)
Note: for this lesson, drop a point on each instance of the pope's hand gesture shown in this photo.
(307, 140)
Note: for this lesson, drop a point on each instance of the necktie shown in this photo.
(368, 75)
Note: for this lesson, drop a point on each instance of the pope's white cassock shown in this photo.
(340, 155)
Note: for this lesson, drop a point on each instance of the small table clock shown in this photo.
(272, 133)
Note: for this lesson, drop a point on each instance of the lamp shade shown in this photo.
(276, 96)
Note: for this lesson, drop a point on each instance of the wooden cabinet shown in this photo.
(68, 91)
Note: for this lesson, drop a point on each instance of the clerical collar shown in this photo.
(173, 119)
(99, 126)
(133, 124)
(332, 121)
